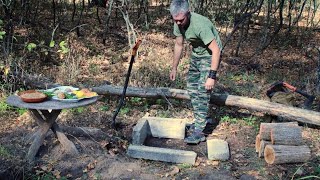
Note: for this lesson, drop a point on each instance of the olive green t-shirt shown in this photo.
(200, 33)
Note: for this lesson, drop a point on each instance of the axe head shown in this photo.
(276, 87)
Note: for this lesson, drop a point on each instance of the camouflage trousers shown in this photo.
(197, 76)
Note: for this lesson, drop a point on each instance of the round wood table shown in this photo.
(45, 114)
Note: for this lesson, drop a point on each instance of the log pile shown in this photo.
(280, 143)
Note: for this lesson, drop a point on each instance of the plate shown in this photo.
(62, 89)
(70, 100)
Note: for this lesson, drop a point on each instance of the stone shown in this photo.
(218, 149)
(161, 154)
(140, 132)
(167, 127)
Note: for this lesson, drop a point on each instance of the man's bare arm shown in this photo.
(178, 46)
(215, 60)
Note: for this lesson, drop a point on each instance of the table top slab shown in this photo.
(15, 100)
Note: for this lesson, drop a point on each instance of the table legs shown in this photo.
(46, 121)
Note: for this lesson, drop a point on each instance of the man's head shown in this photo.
(179, 10)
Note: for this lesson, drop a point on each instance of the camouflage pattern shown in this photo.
(197, 76)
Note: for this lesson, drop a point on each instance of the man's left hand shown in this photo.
(210, 84)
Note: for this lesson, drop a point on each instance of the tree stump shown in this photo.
(287, 136)
(281, 154)
(265, 129)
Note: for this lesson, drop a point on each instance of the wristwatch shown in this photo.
(212, 74)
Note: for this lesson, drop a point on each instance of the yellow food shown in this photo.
(84, 93)
(79, 94)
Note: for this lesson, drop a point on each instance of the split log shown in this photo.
(287, 112)
(262, 147)
(258, 140)
(281, 154)
(287, 136)
(265, 129)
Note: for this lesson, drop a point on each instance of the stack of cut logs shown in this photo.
(281, 143)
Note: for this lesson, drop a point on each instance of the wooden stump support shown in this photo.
(46, 120)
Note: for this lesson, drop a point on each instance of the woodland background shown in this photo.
(87, 43)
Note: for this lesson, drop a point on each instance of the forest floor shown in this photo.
(246, 75)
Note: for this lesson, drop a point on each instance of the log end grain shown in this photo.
(257, 143)
(269, 154)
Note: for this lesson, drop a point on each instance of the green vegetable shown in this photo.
(70, 96)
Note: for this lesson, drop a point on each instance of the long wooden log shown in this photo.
(265, 129)
(281, 154)
(287, 112)
(287, 136)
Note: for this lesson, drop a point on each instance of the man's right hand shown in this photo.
(173, 75)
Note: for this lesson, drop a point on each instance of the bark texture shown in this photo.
(281, 154)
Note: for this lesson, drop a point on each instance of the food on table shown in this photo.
(84, 93)
(61, 95)
(32, 96)
(69, 92)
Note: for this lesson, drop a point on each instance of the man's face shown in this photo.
(182, 19)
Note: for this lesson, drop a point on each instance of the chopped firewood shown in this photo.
(287, 136)
(258, 143)
(265, 129)
(263, 145)
(281, 154)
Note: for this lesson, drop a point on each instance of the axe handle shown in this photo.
(123, 95)
(289, 86)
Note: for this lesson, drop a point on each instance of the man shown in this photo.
(204, 63)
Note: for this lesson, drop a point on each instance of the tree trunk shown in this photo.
(287, 136)
(262, 147)
(281, 154)
(266, 128)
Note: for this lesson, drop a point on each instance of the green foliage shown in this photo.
(2, 33)
(104, 108)
(80, 110)
(21, 110)
(63, 49)
(31, 46)
(161, 102)
(124, 110)
(52, 43)
(4, 106)
(4, 152)
(229, 119)
(184, 166)
(136, 100)
(252, 121)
